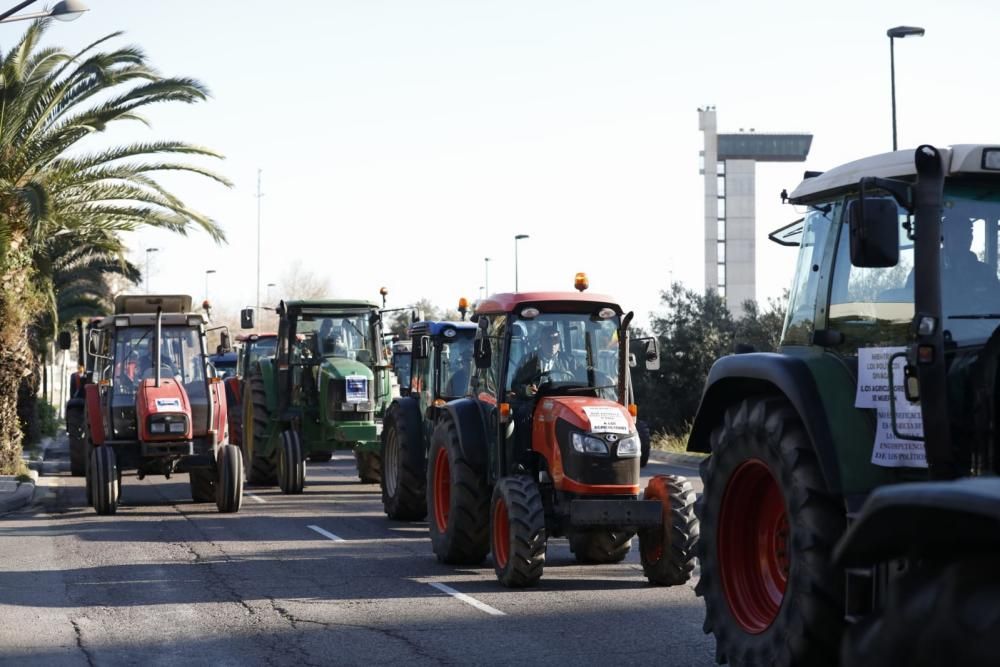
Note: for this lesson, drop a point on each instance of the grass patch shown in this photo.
(672, 442)
(21, 472)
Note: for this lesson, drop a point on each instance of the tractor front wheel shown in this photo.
(229, 481)
(369, 466)
(667, 552)
(404, 483)
(645, 442)
(600, 545)
(202, 485)
(458, 501)
(104, 480)
(291, 463)
(768, 529)
(258, 463)
(517, 532)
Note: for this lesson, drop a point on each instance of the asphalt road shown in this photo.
(317, 579)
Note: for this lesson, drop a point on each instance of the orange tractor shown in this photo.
(546, 445)
(156, 404)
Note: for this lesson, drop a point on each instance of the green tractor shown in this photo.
(851, 507)
(322, 391)
(441, 368)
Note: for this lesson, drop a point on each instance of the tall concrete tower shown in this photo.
(728, 165)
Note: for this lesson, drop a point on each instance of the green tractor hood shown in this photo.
(341, 367)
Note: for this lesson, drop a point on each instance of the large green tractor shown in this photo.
(851, 508)
(323, 391)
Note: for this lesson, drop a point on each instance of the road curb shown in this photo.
(677, 458)
(16, 499)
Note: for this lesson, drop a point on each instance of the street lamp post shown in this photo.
(486, 284)
(207, 273)
(516, 239)
(149, 250)
(66, 10)
(899, 32)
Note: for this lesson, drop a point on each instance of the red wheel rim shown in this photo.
(501, 533)
(754, 560)
(442, 490)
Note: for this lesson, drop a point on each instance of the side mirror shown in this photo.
(65, 340)
(874, 225)
(224, 342)
(482, 352)
(246, 318)
(93, 339)
(652, 354)
(632, 363)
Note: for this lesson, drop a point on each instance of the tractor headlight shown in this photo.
(178, 427)
(157, 427)
(629, 447)
(586, 444)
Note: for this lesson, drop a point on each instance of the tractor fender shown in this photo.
(468, 416)
(95, 419)
(407, 411)
(924, 518)
(740, 375)
(267, 375)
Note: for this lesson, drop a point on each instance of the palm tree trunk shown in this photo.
(15, 352)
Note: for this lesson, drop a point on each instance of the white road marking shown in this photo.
(467, 599)
(257, 498)
(326, 534)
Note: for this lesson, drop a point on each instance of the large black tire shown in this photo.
(458, 501)
(369, 466)
(765, 495)
(606, 545)
(404, 484)
(667, 553)
(229, 481)
(291, 463)
(645, 441)
(320, 457)
(202, 485)
(936, 614)
(517, 531)
(260, 466)
(75, 431)
(104, 480)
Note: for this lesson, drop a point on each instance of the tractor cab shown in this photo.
(156, 405)
(402, 362)
(442, 364)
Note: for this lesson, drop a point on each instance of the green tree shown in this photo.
(50, 101)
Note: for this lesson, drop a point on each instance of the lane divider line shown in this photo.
(326, 534)
(467, 599)
(257, 498)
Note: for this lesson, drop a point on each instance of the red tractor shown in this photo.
(156, 405)
(546, 445)
(250, 348)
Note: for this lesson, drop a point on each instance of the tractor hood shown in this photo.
(341, 367)
(594, 415)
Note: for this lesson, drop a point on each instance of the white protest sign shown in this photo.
(356, 388)
(606, 420)
(873, 392)
(164, 404)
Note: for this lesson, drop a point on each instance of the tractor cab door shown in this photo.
(486, 387)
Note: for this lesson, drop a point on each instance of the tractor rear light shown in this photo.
(158, 427)
(439, 402)
(925, 354)
(178, 427)
(586, 444)
(629, 448)
(504, 411)
(633, 409)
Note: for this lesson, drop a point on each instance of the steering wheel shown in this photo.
(559, 375)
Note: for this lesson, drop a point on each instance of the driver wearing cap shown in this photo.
(547, 360)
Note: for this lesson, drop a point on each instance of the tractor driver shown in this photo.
(968, 285)
(331, 339)
(546, 361)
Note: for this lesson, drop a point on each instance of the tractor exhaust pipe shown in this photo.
(623, 360)
(81, 349)
(156, 345)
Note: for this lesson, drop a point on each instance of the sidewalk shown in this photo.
(677, 458)
(13, 494)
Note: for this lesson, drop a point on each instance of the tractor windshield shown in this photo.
(455, 365)
(874, 306)
(564, 353)
(181, 358)
(338, 335)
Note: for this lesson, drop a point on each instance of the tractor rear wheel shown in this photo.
(229, 481)
(517, 531)
(104, 480)
(260, 466)
(203, 485)
(458, 501)
(291, 463)
(369, 466)
(667, 552)
(768, 530)
(320, 457)
(602, 545)
(645, 442)
(404, 484)
(75, 425)
(935, 614)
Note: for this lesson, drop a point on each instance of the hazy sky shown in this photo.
(403, 141)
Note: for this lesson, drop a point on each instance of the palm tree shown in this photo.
(51, 100)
